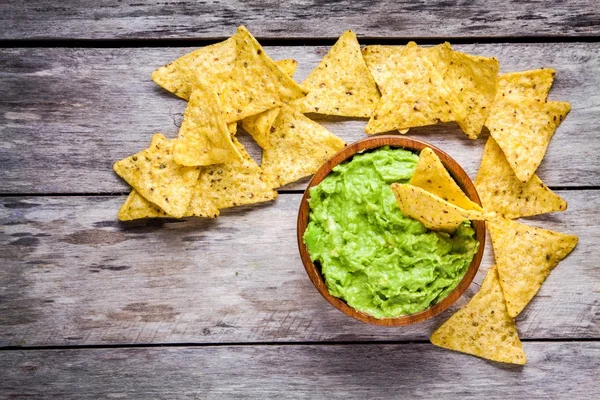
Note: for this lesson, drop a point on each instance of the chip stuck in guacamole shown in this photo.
(372, 256)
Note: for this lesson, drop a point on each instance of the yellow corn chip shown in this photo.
(259, 126)
(256, 83)
(525, 256)
(473, 80)
(502, 192)
(341, 84)
(432, 211)
(154, 174)
(211, 65)
(523, 127)
(431, 175)
(377, 60)
(483, 327)
(232, 128)
(534, 84)
(204, 138)
(298, 148)
(229, 185)
(136, 207)
(287, 66)
(416, 94)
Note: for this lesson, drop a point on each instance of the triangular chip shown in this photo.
(299, 146)
(136, 207)
(158, 178)
(229, 185)
(259, 125)
(341, 84)
(377, 60)
(473, 80)
(432, 211)
(534, 84)
(211, 65)
(256, 83)
(204, 138)
(523, 127)
(525, 255)
(483, 327)
(431, 175)
(232, 128)
(416, 94)
(501, 191)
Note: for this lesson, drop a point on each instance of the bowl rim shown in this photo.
(459, 175)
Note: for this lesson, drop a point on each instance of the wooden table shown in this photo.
(92, 308)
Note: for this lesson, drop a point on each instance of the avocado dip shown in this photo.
(371, 255)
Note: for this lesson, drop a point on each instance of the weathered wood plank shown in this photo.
(317, 371)
(108, 19)
(67, 114)
(71, 274)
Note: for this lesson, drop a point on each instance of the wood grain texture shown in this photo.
(67, 114)
(347, 153)
(108, 19)
(72, 275)
(554, 370)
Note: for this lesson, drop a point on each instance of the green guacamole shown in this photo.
(371, 255)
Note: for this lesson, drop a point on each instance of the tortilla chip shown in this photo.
(431, 175)
(432, 211)
(229, 185)
(256, 83)
(341, 84)
(416, 94)
(259, 126)
(377, 60)
(534, 84)
(501, 191)
(211, 65)
(299, 146)
(154, 174)
(204, 138)
(523, 127)
(136, 207)
(288, 66)
(483, 327)
(473, 80)
(232, 128)
(525, 256)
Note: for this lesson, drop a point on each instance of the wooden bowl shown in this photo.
(457, 173)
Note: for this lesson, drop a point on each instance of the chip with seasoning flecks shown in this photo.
(501, 191)
(230, 185)
(136, 207)
(416, 94)
(341, 84)
(156, 176)
(473, 80)
(259, 125)
(431, 175)
(534, 84)
(376, 57)
(525, 256)
(256, 83)
(432, 211)
(483, 327)
(298, 148)
(204, 138)
(523, 127)
(210, 64)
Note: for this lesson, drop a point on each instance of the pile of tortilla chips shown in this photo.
(525, 255)
(206, 169)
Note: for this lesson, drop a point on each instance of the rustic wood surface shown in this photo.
(129, 19)
(374, 371)
(67, 114)
(73, 275)
(90, 307)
